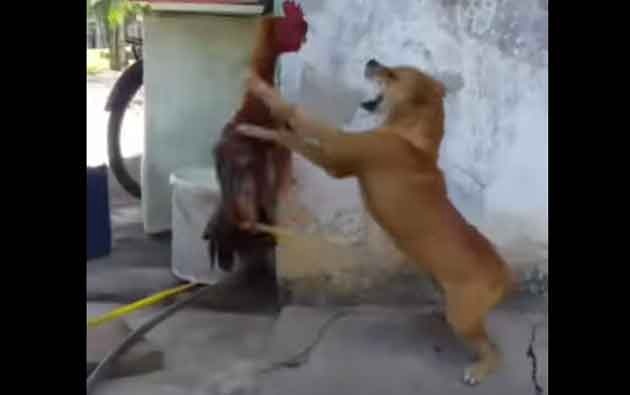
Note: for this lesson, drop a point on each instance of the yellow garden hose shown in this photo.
(279, 233)
(140, 304)
(283, 236)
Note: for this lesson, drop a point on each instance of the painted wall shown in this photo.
(194, 70)
(492, 55)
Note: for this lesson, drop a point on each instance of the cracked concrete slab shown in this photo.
(196, 339)
(531, 354)
(376, 351)
(368, 350)
(292, 335)
(538, 354)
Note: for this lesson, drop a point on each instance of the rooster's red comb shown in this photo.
(292, 11)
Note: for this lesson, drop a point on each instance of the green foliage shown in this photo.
(116, 11)
(114, 14)
(97, 61)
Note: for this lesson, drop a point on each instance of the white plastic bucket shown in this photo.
(196, 195)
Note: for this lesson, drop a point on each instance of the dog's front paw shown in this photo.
(476, 373)
(472, 376)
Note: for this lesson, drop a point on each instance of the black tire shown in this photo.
(123, 91)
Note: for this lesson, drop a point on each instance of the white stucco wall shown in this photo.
(492, 56)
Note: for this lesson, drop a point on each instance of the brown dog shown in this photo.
(405, 192)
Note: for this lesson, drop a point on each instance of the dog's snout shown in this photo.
(371, 67)
(372, 63)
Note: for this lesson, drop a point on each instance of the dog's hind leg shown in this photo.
(466, 311)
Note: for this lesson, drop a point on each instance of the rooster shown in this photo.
(252, 173)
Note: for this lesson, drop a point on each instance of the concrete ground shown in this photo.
(301, 350)
(367, 350)
(363, 350)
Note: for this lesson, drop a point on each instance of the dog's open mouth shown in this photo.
(372, 105)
